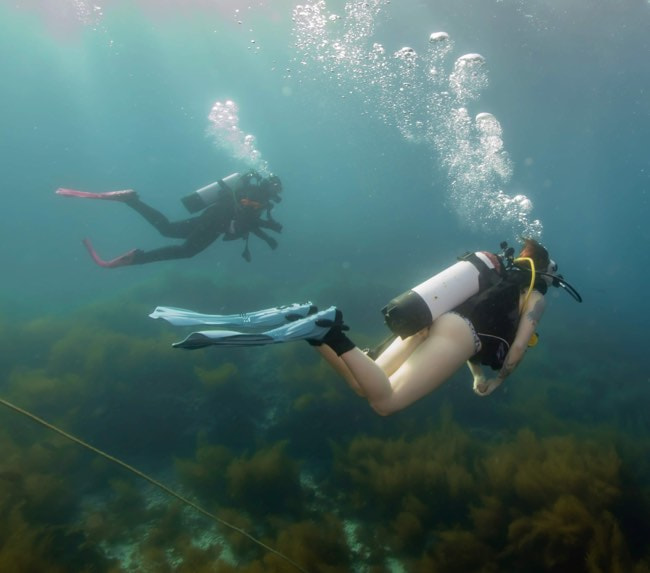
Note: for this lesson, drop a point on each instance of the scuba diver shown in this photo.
(482, 311)
(233, 207)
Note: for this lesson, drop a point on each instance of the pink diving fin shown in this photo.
(122, 195)
(122, 261)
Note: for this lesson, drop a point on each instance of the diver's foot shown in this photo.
(124, 260)
(318, 326)
(123, 195)
(335, 337)
(329, 329)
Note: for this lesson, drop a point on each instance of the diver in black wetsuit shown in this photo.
(233, 209)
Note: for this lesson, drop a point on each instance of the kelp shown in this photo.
(547, 501)
(271, 441)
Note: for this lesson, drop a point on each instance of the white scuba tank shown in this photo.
(419, 307)
(202, 198)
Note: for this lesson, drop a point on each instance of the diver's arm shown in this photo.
(270, 241)
(528, 322)
(271, 224)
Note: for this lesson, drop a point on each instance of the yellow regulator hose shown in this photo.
(532, 276)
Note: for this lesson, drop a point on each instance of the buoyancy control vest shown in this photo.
(494, 313)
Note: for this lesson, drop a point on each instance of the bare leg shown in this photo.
(337, 364)
(389, 360)
(449, 344)
(399, 350)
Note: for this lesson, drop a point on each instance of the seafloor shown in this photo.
(548, 474)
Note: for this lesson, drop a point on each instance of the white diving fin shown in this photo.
(266, 318)
(312, 327)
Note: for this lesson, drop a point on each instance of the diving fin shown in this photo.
(123, 260)
(312, 327)
(122, 195)
(267, 318)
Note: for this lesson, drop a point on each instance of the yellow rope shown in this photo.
(149, 479)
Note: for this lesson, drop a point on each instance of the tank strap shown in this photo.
(487, 276)
(223, 185)
(246, 253)
(383, 345)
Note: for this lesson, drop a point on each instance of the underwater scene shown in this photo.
(384, 141)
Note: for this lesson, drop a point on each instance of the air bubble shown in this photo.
(426, 97)
(226, 134)
(439, 37)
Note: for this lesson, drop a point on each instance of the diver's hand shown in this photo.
(479, 380)
(273, 225)
(484, 387)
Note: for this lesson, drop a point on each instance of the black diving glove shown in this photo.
(270, 241)
(271, 224)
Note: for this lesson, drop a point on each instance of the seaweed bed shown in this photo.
(548, 474)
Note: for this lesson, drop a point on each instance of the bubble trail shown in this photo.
(426, 97)
(227, 135)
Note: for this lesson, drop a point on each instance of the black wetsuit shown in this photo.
(494, 313)
(232, 215)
